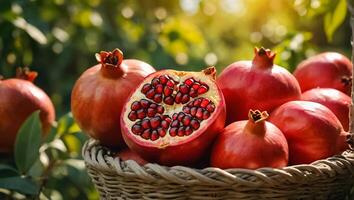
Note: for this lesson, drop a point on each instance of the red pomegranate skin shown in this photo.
(251, 145)
(99, 94)
(187, 152)
(338, 102)
(257, 84)
(311, 129)
(128, 154)
(19, 99)
(325, 70)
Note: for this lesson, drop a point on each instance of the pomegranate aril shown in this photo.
(180, 116)
(158, 98)
(194, 111)
(151, 112)
(193, 93)
(141, 114)
(197, 102)
(199, 113)
(188, 130)
(210, 107)
(204, 103)
(206, 114)
(203, 89)
(153, 105)
(145, 123)
(155, 82)
(185, 98)
(195, 124)
(178, 97)
(161, 132)
(132, 115)
(180, 131)
(170, 84)
(154, 135)
(146, 134)
(169, 100)
(163, 79)
(167, 91)
(186, 110)
(173, 132)
(186, 120)
(189, 82)
(137, 129)
(184, 89)
(167, 119)
(175, 123)
(155, 122)
(164, 124)
(196, 86)
(160, 109)
(159, 89)
(174, 116)
(135, 106)
(144, 103)
(150, 94)
(145, 88)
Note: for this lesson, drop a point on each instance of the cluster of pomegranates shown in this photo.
(254, 114)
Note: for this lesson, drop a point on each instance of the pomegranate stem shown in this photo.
(111, 63)
(263, 58)
(256, 122)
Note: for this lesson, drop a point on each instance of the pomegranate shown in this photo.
(311, 129)
(173, 116)
(256, 85)
(19, 98)
(128, 154)
(326, 70)
(100, 93)
(336, 101)
(250, 144)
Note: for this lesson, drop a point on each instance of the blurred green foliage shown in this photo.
(58, 38)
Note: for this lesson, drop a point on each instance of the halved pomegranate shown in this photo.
(173, 116)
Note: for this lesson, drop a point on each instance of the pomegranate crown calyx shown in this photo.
(210, 71)
(257, 116)
(263, 58)
(113, 58)
(26, 74)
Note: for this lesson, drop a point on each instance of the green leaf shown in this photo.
(332, 20)
(19, 184)
(7, 171)
(27, 144)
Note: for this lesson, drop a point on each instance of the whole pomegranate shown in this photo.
(99, 94)
(19, 98)
(173, 116)
(325, 70)
(250, 144)
(336, 101)
(257, 84)
(127, 154)
(311, 129)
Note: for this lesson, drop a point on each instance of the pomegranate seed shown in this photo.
(197, 102)
(146, 134)
(167, 91)
(151, 112)
(199, 113)
(169, 100)
(206, 114)
(170, 83)
(161, 132)
(186, 120)
(163, 79)
(158, 98)
(175, 123)
(164, 124)
(132, 115)
(203, 89)
(193, 93)
(193, 111)
(190, 104)
(210, 108)
(180, 116)
(174, 116)
(195, 124)
(144, 103)
(180, 131)
(204, 103)
(178, 97)
(145, 88)
(173, 132)
(150, 94)
(168, 120)
(141, 113)
(189, 81)
(154, 135)
(159, 89)
(153, 105)
(160, 109)
(188, 130)
(155, 82)
(155, 122)
(137, 129)
(185, 98)
(196, 86)
(145, 123)
(184, 89)
(186, 110)
(135, 105)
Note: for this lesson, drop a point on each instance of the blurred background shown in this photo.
(58, 38)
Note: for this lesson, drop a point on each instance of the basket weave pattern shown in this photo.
(331, 178)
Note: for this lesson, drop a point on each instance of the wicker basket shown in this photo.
(331, 178)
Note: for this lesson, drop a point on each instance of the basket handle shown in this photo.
(351, 115)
